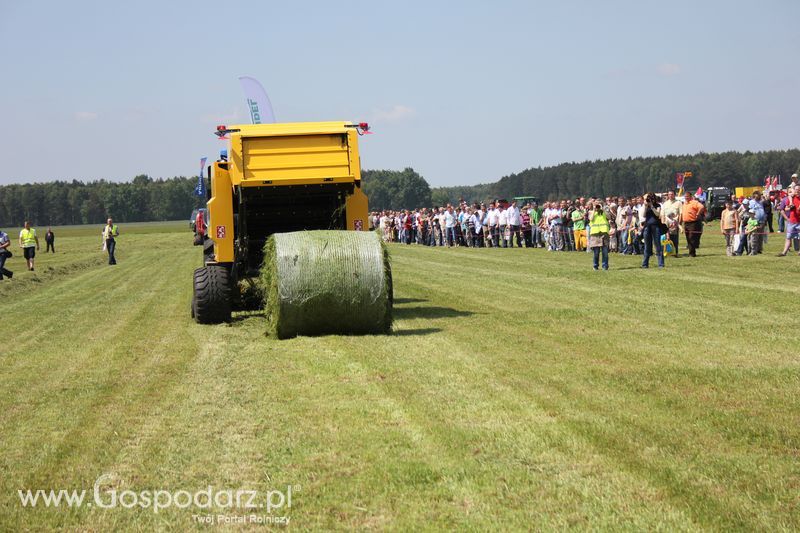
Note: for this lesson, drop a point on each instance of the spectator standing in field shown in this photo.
(651, 230)
(385, 227)
(110, 233)
(780, 199)
(756, 234)
(525, 226)
(450, 227)
(692, 215)
(743, 213)
(670, 215)
(611, 213)
(728, 224)
(5, 253)
(751, 230)
(598, 236)
(476, 225)
(766, 203)
(492, 221)
(29, 242)
(626, 224)
(535, 213)
(50, 241)
(791, 215)
(555, 222)
(578, 216)
(514, 223)
(502, 224)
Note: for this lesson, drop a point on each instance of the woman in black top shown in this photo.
(652, 230)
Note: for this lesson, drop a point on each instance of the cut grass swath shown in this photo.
(326, 282)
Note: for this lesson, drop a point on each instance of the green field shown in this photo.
(520, 390)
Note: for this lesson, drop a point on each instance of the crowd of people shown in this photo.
(644, 225)
(29, 244)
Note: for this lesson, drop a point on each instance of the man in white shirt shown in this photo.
(555, 223)
(502, 224)
(450, 226)
(492, 217)
(477, 229)
(514, 221)
(670, 215)
(442, 227)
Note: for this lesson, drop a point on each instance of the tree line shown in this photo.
(56, 203)
(146, 199)
(632, 176)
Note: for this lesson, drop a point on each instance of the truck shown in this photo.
(715, 201)
(277, 178)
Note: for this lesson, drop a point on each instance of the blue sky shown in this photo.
(464, 92)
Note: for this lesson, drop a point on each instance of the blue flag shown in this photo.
(200, 189)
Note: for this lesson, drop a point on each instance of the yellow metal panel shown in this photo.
(235, 157)
(355, 158)
(357, 211)
(292, 152)
(220, 214)
(289, 158)
(307, 181)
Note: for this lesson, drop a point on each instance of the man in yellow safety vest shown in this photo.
(29, 242)
(110, 232)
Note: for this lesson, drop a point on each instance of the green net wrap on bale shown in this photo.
(326, 282)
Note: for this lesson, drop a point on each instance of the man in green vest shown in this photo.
(110, 232)
(536, 225)
(29, 242)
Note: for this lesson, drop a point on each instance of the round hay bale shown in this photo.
(326, 282)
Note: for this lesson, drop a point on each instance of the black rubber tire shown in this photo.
(212, 295)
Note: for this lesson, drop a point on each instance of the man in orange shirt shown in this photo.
(692, 215)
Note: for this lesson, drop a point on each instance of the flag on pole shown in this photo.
(200, 189)
(257, 101)
(679, 182)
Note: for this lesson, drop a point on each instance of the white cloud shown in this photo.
(84, 116)
(394, 114)
(138, 113)
(669, 69)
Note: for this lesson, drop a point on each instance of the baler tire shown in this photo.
(212, 295)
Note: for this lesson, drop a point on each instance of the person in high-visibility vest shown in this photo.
(29, 242)
(599, 230)
(110, 231)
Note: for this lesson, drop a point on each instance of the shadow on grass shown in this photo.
(409, 300)
(429, 312)
(411, 332)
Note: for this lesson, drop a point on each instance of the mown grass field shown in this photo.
(520, 390)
